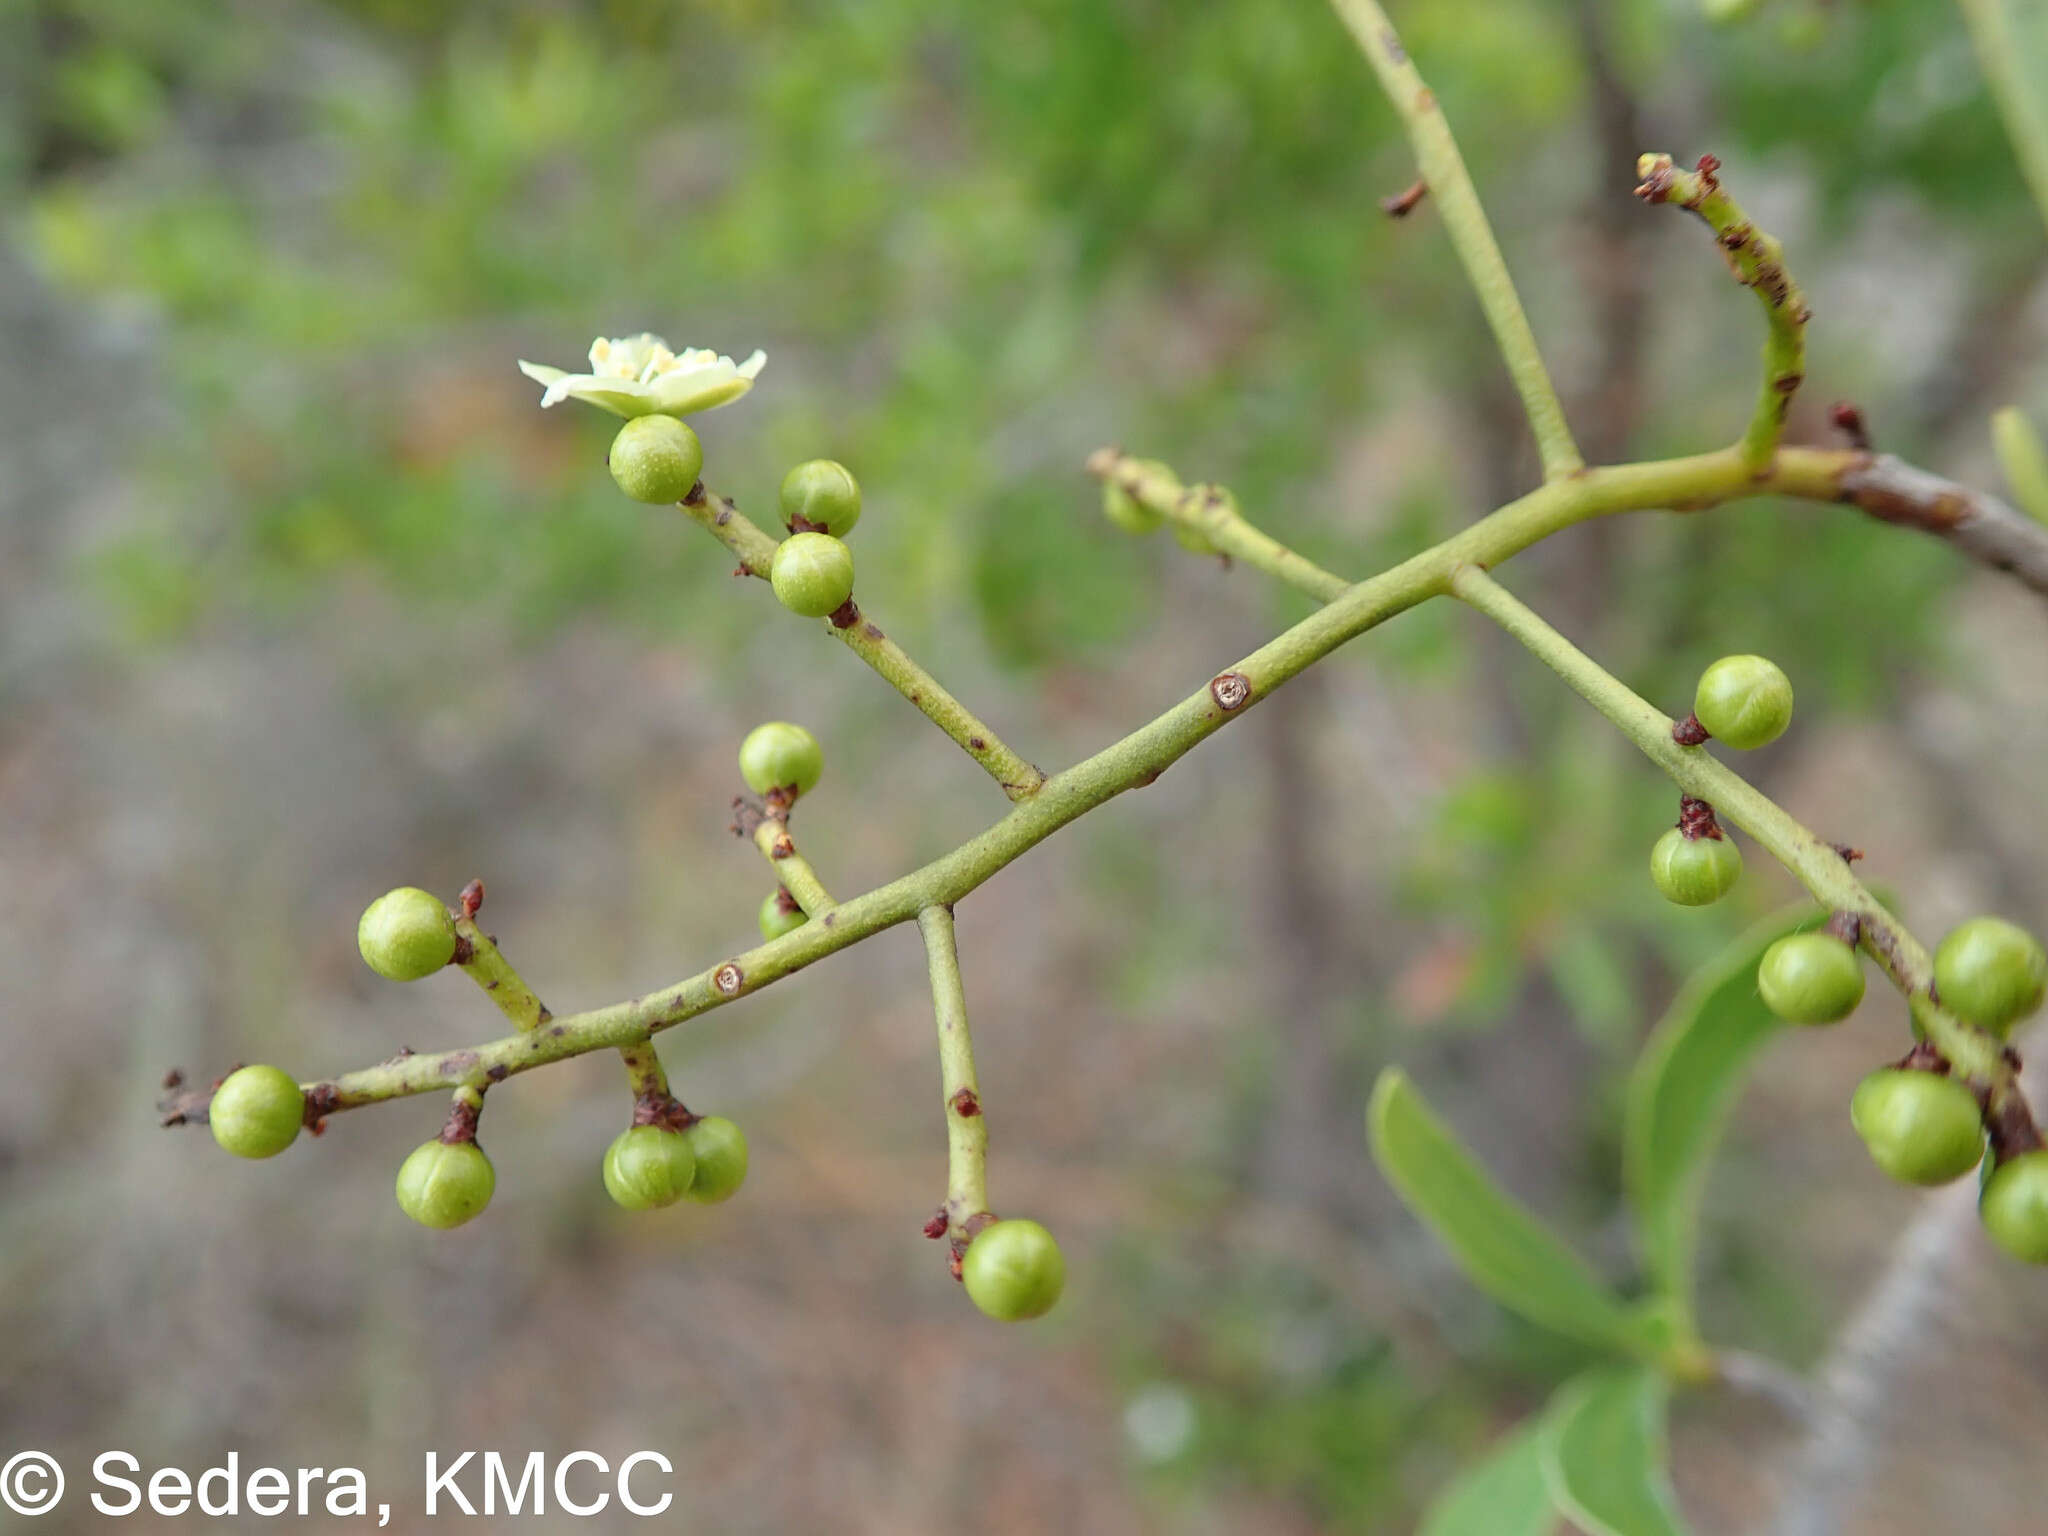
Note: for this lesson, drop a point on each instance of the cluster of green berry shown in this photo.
(702, 1159)
(813, 569)
(658, 459)
(1011, 1269)
(1988, 972)
(1921, 1125)
(1746, 702)
(406, 935)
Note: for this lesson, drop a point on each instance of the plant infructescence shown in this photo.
(1928, 1116)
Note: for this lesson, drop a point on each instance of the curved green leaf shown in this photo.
(1505, 1494)
(1682, 1089)
(1604, 1455)
(1506, 1251)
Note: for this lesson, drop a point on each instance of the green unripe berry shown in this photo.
(720, 1148)
(1125, 510)
(649, 1166)
(1014, 1270)
(656, 458)
(812, 574)
(781, 756)
(2014, 1206)
(776, 919)
(443, 1184)
(1810, 978)
(1991, 972)
(256, 1112)
(406, 934)
(1920, 1128)
(824, 495)
(1744, 701)
(1694, 871)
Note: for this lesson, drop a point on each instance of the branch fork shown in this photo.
(1757, 464)
(1757, 261)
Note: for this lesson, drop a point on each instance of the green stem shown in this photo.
(1451, 189)
(478, 955)
(755, 551)
(866, 639)
(644, 1072)
(1758, 262)
(798, 878)
(966, 1126)
(1214, 514)
(1816, 863)
(1807, 856)
(2019, 99)
(1689, 483)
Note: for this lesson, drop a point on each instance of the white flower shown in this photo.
(640, 376)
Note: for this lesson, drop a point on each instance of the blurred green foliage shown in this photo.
(973, 246)
(976, 243)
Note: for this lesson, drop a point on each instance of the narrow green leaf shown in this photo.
(1682, 1089)
(1604, 1454)
(1503, 1494)
(1507, 1252)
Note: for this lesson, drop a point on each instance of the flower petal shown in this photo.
(618, 396)
(701, 389)
(697, 381)
(622, 397)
